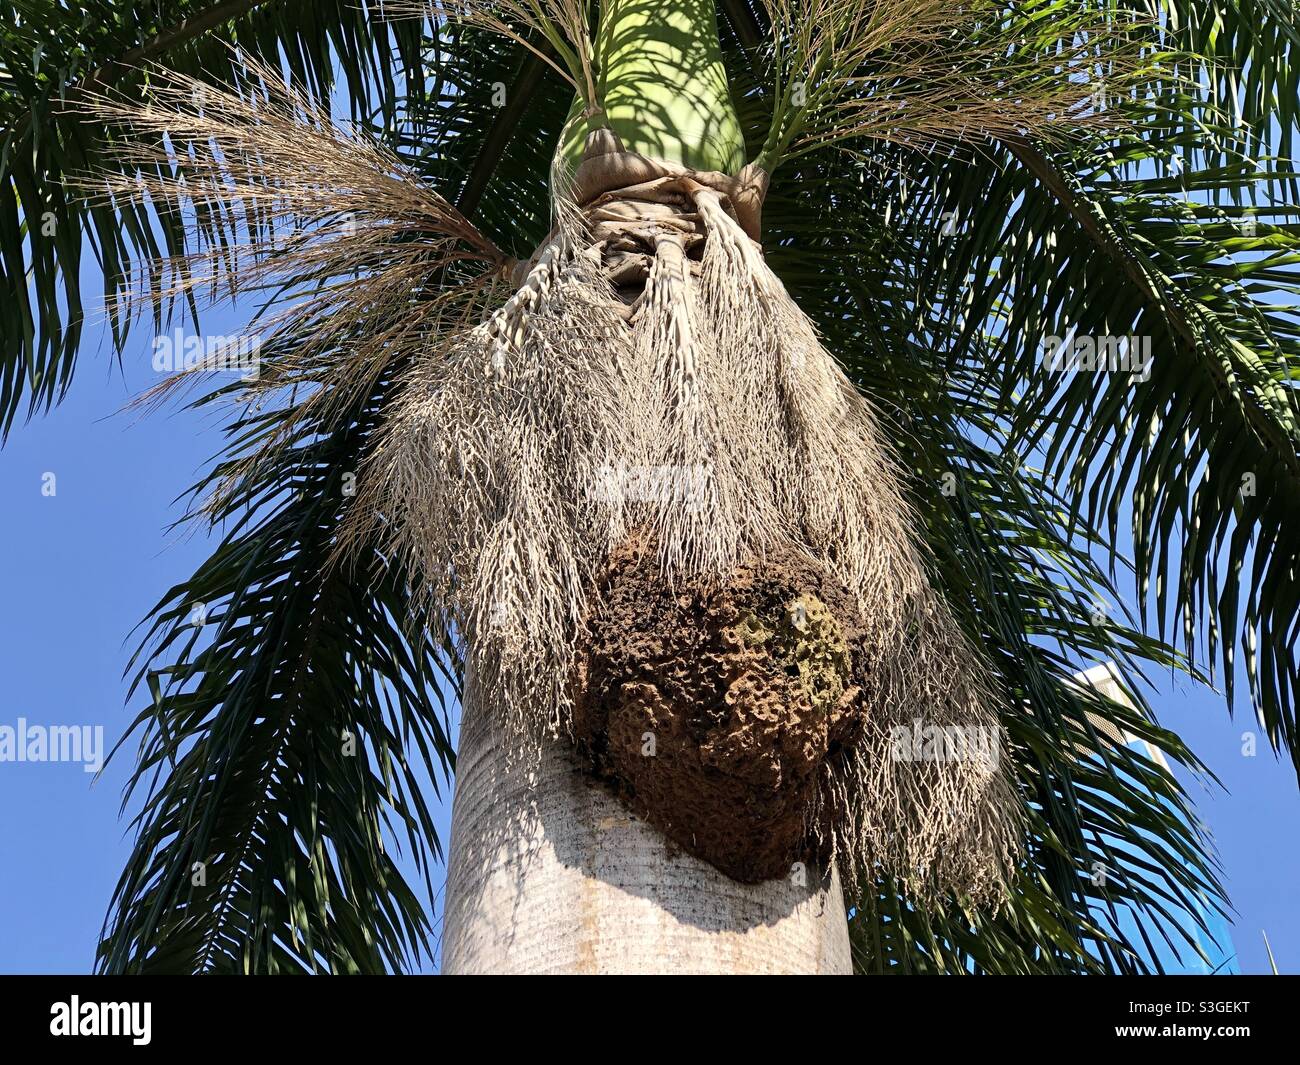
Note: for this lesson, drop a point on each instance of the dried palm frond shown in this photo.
(486, 480)
(926, 73)
(349, 250)
(837, 493)
(563, 26)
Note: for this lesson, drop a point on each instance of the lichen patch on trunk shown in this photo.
(715, 707)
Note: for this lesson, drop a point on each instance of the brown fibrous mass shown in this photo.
(716, 707)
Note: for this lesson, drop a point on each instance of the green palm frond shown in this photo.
(291, 740)
(1198, 461)
(292, 735)
(1020, 570)
(1245, 68)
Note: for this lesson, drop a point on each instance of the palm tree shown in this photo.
(623, 354)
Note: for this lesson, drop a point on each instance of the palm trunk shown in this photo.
(662, 85)
(548, 873)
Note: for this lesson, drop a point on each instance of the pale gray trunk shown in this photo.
(548, 873)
